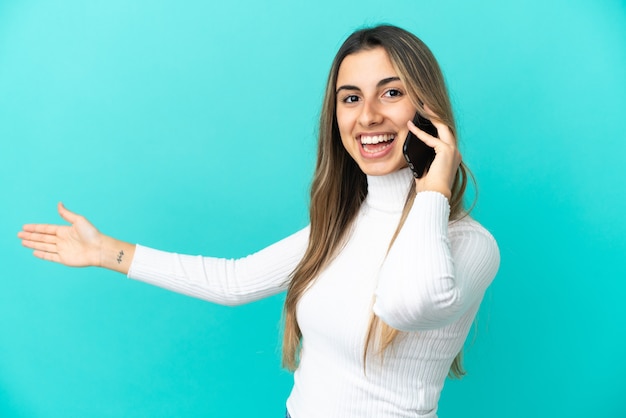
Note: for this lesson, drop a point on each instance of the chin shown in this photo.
(380, 169)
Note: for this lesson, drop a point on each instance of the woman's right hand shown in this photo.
(78, 245)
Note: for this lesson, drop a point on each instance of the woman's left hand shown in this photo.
(440, 176)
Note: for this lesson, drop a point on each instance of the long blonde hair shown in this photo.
(339, 186)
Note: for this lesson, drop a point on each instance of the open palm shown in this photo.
(78, 244)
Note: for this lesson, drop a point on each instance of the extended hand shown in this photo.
(78, 244)
(440, 176)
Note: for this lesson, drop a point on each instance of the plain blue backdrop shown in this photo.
(190, 126)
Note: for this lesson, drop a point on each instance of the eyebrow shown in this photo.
(378, 85)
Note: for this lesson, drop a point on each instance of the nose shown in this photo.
(370, 114)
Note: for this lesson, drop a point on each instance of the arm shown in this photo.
(219, 280)
(79, 244)
(434, 273)
(431, 275)
(228, 282)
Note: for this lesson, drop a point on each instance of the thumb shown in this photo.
(69, 216)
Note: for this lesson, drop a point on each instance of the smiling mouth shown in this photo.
(376, 143)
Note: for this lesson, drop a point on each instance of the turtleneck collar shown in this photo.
(388, 193)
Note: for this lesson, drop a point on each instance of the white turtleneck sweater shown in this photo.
(429, 286)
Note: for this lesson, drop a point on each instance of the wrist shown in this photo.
(99, 261)
(421, 187)
(116, 255)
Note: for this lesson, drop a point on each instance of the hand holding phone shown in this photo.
(418, 155)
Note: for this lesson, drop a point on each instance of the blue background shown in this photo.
(190, 126)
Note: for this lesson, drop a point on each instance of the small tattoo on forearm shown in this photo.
(119, 257)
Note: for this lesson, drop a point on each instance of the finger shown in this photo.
(69, 216)
(47, 256)
(428, 139)
(443, 131)
(39, 246)
(41, 228)
(31, 236)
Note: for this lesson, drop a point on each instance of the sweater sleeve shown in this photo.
(219, 280)
(434, 272)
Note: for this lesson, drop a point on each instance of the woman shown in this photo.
(384, 284)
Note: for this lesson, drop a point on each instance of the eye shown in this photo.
(393, 93)
(352, 98)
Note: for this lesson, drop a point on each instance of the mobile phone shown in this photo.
(418, 155)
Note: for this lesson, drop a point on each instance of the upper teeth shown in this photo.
(375, 139)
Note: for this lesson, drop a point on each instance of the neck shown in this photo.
(388, 193)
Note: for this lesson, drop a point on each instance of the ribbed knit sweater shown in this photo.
(429, 285)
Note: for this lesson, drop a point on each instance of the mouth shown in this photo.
(373, 144)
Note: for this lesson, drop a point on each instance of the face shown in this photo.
(372, 111)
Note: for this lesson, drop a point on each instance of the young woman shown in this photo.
(384, 283)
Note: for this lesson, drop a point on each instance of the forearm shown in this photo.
(417, 287)
(220, 280)
(116, 255)
(434, 271)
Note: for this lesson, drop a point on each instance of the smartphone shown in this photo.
(418, 155)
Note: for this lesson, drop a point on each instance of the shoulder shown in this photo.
(469, 228)
(469, 239)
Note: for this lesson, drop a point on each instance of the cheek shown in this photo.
(342, 121)
(348, 144)
(345, 125)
